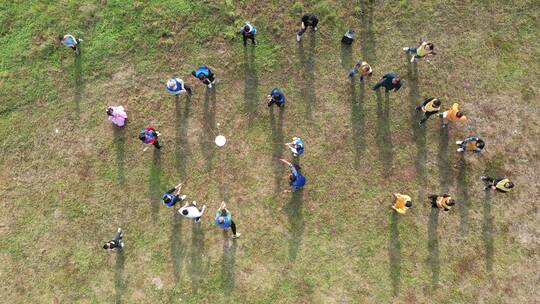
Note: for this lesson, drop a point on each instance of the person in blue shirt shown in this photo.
(390, 82)
(276, 97)
(472, 144)
(205, 75)
(224, 220)
(248, 31)
(296, 179)
(296, 146)
(172, 196)
(176, 86)
(149, 135)
(70, 41)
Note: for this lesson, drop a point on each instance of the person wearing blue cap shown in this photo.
(276, 97)
(173, 196)
(224, 220)
(296, 179)
(248, 31)
(296, 146)
(176, 86)
(205, 75)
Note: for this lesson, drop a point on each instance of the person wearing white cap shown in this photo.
(176, 86)
(190, 210)
(248, 31)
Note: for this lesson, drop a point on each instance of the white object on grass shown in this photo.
(56, 130)
(220, 140)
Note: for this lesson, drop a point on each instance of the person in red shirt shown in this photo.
(149, 136)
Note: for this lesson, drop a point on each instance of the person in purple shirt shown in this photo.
(296, 179)
(390, 82)
(224, 220)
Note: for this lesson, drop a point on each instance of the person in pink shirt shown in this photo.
(117, 115)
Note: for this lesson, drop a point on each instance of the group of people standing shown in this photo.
(361, 70)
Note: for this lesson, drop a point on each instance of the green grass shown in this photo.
(64, 194)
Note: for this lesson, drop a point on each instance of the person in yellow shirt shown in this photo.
(443, 202)
(401, 203)
(425, 49)
(498, 184)
(363, 69)
(472, 144)
(431, 106)
(453, 114)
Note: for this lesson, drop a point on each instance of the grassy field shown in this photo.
(63, 194)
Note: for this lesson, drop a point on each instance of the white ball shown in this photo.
(56, 131)
(220, 140)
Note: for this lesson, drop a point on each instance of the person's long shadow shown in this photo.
(182, 145)
(445, 172)
(177, 250)
(296, 219)
(367, 40)
(155, 183)
(419, 131)
(79, 84)
(463, 194)
(228, 265)
(209, 127)
(196, 268)
(394, 252)
(346, 57)
(308, 66)
(120, 141)
(251, 84)
(384, 135)
(487, 231)
(277, 142)
(357, 121)
(119, 284)
(433, 247)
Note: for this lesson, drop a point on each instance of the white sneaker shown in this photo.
(406, 49)
(298, 37)
(315, 29)
(235, 236)
(183, 197)
(459, 142)
(460, 150)
(210, 86)
(413, 59)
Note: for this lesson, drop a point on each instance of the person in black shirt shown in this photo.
(307, 20)
(116, 242)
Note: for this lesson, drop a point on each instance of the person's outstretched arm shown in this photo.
(285, 162)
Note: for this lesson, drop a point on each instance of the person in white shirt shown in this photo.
(190, 210)
(70, 41)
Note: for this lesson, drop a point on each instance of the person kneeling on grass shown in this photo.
(117, 115)
(452, 114)
(276, 97)
(205, 75)
(296, 146)
(472, 144)
(498, 184)
(425, 49)
(172, 196)
(401, 203)
(363, 69)
(444, 202)
(150, 136)
(192, 211)
(430, 106)
(296, 179)
(70, 41)
(176, 86)
(224, 220)
(307, 20)
(116, 243)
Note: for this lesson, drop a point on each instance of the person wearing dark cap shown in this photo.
(430, 106)
(425, 49)
(390, 82)
(248, 31)
(276, 97)
(442, 202)
(472, 144)
(190, 210)
(499, 184)
(205, 75)
(173, 196)
(307, 21)
(116, 243)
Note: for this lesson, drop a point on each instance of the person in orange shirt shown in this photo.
(444, 202)
(453, 114)
(401, 203)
